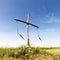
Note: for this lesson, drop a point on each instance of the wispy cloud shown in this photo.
(51, 18)
(50, 30)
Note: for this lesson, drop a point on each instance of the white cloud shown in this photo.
(51, 18)
(50, 30)
(10, 40)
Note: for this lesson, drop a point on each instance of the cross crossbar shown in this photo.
(26, 23)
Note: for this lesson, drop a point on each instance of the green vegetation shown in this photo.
(24, 53)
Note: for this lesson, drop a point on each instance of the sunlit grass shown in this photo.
(54, 51)
(24, 53)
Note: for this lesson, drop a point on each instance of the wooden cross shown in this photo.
(27, 27)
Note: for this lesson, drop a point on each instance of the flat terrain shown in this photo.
(32, 53)
(54, 51)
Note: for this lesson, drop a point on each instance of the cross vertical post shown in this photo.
(27, 30)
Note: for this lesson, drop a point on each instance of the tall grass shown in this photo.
(26, 53)
(22, 51)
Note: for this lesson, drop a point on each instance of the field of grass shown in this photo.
(54, 51)
(32, 53)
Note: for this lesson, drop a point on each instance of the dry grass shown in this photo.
(24, 53)
(54, 51)
(36, 57)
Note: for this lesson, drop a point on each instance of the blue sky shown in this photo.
(44, 13)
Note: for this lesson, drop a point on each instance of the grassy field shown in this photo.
(32, 53)
(54, 51)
